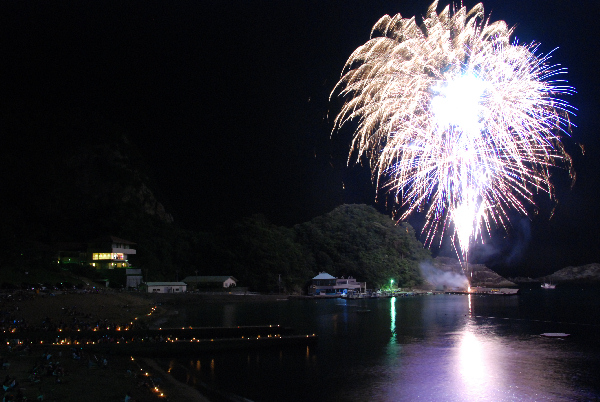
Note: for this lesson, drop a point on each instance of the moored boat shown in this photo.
(554, 335)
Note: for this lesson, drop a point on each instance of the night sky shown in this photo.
(228, 102)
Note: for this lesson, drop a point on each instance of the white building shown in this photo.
(326, 284)
(133, 278)
(208, 282)
(166, 287)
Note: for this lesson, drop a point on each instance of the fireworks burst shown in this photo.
(455, 119)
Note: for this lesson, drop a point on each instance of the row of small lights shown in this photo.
(157, 390)
(190, 327)
(13, 330)
(75, 342)
(65, 342)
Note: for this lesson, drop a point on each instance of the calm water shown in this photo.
(429, 348)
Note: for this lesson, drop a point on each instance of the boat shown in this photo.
(547, 285)
(504, 291)
(554, 335)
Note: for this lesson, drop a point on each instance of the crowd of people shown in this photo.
(48, 372)
(72, 318)
(51, 367)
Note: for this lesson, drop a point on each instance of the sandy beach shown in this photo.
(44, 372)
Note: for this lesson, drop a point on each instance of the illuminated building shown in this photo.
(109, 252)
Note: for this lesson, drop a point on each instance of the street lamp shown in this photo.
(391, 284)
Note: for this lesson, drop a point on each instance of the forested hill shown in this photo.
(76, 177)
(352, 240)
(358, 241)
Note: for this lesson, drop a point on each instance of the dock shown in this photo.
(168, 341)
(172, 347)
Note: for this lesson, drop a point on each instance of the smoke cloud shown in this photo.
(443, 279)
(505, 250)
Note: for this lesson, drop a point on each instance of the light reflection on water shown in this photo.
(393, 319)
(431, 348)
(471, 359)
(467, 366)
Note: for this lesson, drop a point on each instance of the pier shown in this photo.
(168, 341)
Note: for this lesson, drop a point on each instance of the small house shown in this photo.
(349, 284)
(133, 277)
(166, 287)
(207, 282)
(324, 284)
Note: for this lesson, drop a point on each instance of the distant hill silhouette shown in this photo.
(589, 273)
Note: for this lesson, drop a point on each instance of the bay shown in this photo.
(431, 348)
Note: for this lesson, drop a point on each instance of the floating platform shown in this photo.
(486, 291)
(198, 346)
(554, 335)
(169, 341)
(181, 333)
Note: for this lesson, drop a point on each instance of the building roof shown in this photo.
(208, 279)
(324, 275)
(166, 284)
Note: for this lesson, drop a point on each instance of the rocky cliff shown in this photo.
(72, 178)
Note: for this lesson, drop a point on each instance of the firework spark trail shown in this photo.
(455, 119)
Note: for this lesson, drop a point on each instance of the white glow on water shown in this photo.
(471, 358)
(426, 348)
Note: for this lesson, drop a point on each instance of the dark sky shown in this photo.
(228, 102)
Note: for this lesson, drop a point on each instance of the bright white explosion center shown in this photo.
(458, 104)
(456, 120)
(457, 109)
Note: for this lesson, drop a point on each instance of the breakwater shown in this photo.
(167, 341)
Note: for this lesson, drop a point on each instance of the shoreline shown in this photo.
(34, 312)
(177, 390)
(64, 373)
